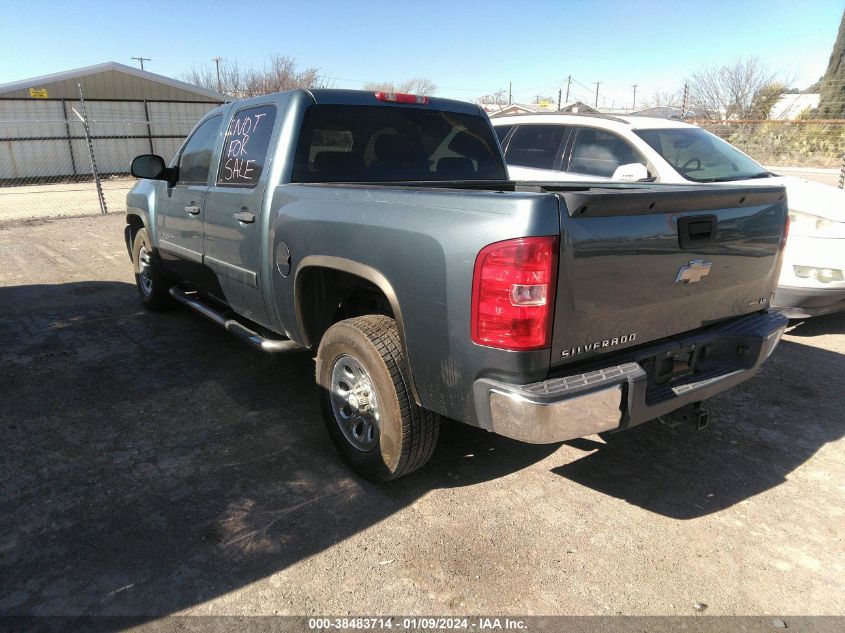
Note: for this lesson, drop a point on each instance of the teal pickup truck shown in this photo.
(380, 231)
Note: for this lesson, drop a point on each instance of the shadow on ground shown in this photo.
(760, 433)
(827, 324)
(151, 462)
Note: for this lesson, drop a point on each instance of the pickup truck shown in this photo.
(381, 232)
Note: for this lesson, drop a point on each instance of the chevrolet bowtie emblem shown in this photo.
(693, 272)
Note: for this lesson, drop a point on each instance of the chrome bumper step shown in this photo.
(234, 327)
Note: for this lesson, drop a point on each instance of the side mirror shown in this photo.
(149, 166)
(632, 172)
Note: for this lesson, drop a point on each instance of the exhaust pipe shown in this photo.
(692, 416)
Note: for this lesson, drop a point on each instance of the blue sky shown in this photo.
(467, 48)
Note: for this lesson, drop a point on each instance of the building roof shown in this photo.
(62, 81)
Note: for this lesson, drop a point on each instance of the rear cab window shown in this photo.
(342, 143)
(537, 146)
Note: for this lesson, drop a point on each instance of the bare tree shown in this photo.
(729, 91)
(415, 85)
(279, 73)
(499, 98)
(663, 99)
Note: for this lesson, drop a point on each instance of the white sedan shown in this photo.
(575, 147)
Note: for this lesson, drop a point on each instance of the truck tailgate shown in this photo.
(638, 265)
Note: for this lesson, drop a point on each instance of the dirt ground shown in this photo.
(154, 465)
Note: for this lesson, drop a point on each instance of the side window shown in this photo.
(535, 146)
(502, 131)
(599, 152)
(245, 147)
(195, 159)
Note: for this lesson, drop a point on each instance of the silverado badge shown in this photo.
(693, 272)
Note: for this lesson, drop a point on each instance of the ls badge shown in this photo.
(693, 272)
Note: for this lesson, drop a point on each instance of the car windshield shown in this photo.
(700, 156)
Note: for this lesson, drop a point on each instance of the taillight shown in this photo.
(513, 292)
(401, 97)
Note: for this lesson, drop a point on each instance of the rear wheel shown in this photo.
(153, 287)
(367, 405)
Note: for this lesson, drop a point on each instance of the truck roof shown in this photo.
(335, 96)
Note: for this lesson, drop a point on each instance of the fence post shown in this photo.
(69, 138)
(842, 173)
(149, 127)
(99, 186)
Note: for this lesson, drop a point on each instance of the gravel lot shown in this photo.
(155, 465)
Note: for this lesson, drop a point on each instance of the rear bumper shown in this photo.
(801, 303)
(620, 396)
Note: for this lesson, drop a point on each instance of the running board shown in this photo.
(235, 327)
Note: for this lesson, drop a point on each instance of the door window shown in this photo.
(535, 146)
(599, 152)
(195, 159)
(245, 148)
(502, 131)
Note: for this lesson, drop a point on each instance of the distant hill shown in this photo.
(832, 89)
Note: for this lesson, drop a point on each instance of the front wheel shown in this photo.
(150, 280)
(367, 404)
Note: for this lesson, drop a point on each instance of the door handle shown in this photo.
(244, 216)
(192, 210)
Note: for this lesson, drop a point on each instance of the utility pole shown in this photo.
(142, 60)
(559, 92)
(634, 86)
(598, 83)
(217, 61)
(510, 93)
(568, 84)
(686, 101)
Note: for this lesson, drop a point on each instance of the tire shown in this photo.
(153, 287)
(382, 437)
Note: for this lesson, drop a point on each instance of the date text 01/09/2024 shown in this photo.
(415, 623)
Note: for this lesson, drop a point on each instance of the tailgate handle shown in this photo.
(698, 230)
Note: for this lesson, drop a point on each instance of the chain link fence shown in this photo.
(48, 157)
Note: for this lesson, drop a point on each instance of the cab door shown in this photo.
(233, 211)
(179, 221)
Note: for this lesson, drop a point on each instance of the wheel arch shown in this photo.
(135, 221)
(304, 320)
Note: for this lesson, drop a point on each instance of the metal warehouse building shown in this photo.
(129, 112)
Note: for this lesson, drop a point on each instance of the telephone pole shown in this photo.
(598, 83)
(142, 60)
(559, 92)
(217, 61)
(568, 84)
(510, 93)
(634, 86)
(686, 101)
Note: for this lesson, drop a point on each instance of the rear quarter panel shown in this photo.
(425, 243)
